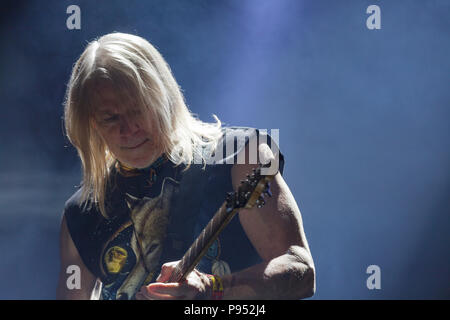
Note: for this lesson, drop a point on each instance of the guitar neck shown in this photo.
(206, 238)
(250, 193)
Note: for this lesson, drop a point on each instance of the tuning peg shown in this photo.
(245, 181)
(267, 190)
(260, 202)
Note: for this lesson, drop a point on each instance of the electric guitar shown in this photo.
(251, 192)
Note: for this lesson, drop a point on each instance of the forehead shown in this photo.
(109, 98)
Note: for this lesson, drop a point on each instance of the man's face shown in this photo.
(128, 134)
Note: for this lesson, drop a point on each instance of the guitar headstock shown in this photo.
(251, 191)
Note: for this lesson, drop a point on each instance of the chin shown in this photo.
(139, 163)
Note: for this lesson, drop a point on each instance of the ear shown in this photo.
(131, 201)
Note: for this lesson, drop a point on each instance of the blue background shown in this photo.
(363, 118)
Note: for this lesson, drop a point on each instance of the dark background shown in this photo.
(363, 118)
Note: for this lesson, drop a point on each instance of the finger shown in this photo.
(143, 294)
(140, 296)
(166, 271)
(165, 290)
(154, 295)
(160, 296)
(164, 276)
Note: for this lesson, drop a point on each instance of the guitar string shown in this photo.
(181, 268)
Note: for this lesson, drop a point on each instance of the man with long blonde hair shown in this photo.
(153, 175)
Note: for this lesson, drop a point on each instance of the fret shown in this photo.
(250, 193)
(202, 243)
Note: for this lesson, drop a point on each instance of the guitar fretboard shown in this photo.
(249, 193)
(208, 235)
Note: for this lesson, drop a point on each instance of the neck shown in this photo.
(128, 170)
(156, 162)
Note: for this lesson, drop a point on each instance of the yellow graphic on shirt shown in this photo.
(150, 217)
(115, 259)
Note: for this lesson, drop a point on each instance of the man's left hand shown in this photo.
(195, 286)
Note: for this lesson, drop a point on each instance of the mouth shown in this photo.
(136, 146)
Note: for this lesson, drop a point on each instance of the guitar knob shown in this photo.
(267, 190)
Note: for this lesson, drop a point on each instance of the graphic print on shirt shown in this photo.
(132, 256)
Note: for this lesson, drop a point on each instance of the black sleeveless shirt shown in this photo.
(157, 213)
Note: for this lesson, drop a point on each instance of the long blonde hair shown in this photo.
(132, 65)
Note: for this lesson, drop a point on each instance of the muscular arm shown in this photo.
(276, 232)
(69, 256)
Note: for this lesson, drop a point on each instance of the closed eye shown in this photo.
(111, 119)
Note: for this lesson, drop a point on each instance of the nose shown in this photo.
(128, 126)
